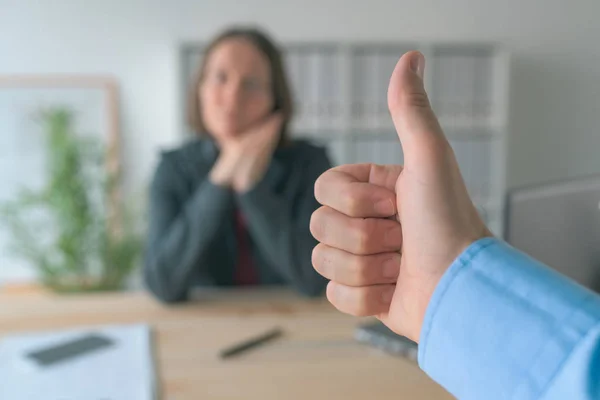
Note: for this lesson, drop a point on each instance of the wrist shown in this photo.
(244, 180)
(249, 173)
(219, 178)
(223, 171)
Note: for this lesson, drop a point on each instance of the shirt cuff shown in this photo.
(500, 324)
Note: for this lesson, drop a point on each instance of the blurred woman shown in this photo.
(233, 206)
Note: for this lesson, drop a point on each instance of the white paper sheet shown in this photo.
(124, 371)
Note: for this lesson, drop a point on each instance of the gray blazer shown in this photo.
(191, 238)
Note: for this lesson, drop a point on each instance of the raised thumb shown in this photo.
(417, 126)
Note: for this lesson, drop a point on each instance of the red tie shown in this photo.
(245, 273)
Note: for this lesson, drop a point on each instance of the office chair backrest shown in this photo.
(559, 224)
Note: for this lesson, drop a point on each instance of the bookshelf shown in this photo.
(340, 92)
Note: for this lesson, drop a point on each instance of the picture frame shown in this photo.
(94, 101)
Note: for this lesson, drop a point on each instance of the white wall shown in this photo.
(556, 67)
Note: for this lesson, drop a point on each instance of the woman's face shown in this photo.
(235, 92)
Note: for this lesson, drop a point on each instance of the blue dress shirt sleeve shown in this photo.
(501, 325)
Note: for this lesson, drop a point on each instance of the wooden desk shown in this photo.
(316, 359)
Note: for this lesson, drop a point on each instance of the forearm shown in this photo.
(284, 240)
(224, 170)
(237, 170)
(173, 256)
(501, 325)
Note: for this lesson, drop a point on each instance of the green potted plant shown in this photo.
(65, 230)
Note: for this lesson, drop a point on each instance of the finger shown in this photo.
(361, 301)
(381, 175)
(271, 124)
(359, 190)
(422, 139)
(267, 126)
(345, 194)
(359, 236)
(264, 135)
(352, 270)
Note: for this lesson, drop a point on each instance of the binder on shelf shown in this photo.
(483, 160)
(338, 151)
(467, 69)
(482, 81)
(327, 90)
(365, 150)
(440, 83)
(390, 150)
(455, 90)
(359, 87)
(312, 83)
(388, 57)
(296, 74)
(372, 95)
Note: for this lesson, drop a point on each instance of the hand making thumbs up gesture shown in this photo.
(389, 267)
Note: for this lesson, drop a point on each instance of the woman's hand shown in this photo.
(244, 160)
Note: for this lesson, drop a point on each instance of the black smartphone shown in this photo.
(378, 335)
(68, 350)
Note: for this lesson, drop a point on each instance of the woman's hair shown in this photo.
(280, 89)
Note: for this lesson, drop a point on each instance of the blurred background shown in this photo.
(516, 85)
(526, 72)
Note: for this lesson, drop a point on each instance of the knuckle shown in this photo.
(317, 224)
(359, 270)
(353, 301)
(322, 263)
(351, 202)
(316, 258)
(361, 307)
(312, 225)
(364, 231)
(320, 187)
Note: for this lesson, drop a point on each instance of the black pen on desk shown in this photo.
(251, 343)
